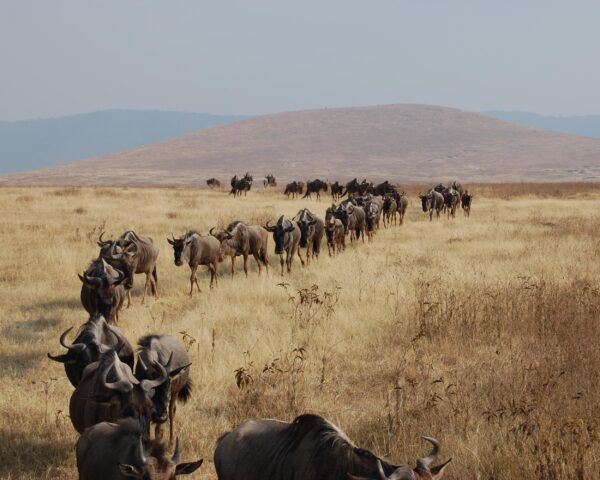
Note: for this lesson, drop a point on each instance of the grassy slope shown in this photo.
(481, 331)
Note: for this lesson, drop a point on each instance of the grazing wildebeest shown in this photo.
(241, 239)
(108, 390)
(309, 448)
(465, 202)
(286, 234)
(389, 210)
(269, 181)
(94, 338)
(293, 189)
(312, 229)
(102, 290)
(171, 354)
(353, 218)
(122, 451)
(315, 186)
(334, 229)
(451, 201)
(373, 214)
(197, 250)
(431, 201)
(213, 183)
(336, 190)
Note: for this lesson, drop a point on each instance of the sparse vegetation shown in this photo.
(482, 332)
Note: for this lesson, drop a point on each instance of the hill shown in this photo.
(583, 125)
(31, 144)
(401, 142)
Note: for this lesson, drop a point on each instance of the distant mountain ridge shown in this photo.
(583, 125)
(404, 143)
(33, 144)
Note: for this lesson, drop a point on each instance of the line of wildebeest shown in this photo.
(120, 393)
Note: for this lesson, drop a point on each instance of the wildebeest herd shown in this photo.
(120, 393)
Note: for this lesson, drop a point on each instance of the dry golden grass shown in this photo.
(482, 332)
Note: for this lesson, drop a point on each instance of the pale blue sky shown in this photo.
(259, 56)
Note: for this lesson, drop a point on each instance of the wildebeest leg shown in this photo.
(289, 259)
(148, 275)
(246, 264)
(232, 265)
(192, 279)
(255, 255)
(299, 256)
(329, 248)
(431, 214)
(281, 261)
(128, 297)
(213, 274)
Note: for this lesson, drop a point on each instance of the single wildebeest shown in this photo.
(372, 213)
(334, 230)
(402, 205)
(102, 290)
(213, 183)
(233, 243)
(309, 448)
(315, 186)
(389, 210)
(336, 190)
(286, 234)
(432, 201)
(269, 181)
(312, 229)
(197, 250)
(458, 187)
(108, 390)
(94, 338)
(383, 188)
(293, 189)
(122, 451)
(140, 254)
(351, 187)
(171, 354)
(451, 201)
(353, 218)
(465, 202)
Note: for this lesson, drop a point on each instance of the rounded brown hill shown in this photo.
(401, 142)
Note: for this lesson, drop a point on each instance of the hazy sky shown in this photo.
(253, 56)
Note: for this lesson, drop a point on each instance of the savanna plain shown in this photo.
(482, 332)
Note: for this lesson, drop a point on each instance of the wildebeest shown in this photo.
(239, 185)
(458, 187)
(286, 234)
(94, 338)
(102, 290)
(451, 201)
(241, 239)
(402, 205)
(294, 188)
(315, 186)
(353, 218)
(197, 250)
(171, 354)
(122, 451)
(383, 188)
(309, 448)
(390, 209)
(432, 201)
(312, 229)
(213, 183)
(465, 202)
(336, 190)
(372, 215)
(269, 181)
(108, 390)
(334, 230)
(440, 187)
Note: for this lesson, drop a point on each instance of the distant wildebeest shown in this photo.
(140, 254)
(309, 448)
(213, 183)
(286, 234)
(102, 290)
(383, 188)
(440, 187)
(458, 187)
(353, 218)
(432, 201)
(122, 451)
(334, 230)
(241, 239)
(351, 187)
(239, 185)
(108, 390)
(171, 354)
(451, 201)
(94, 338)
(197, 250)
(293, 189)
(466, 200)
(401, 205)
(372, 215)
(269, 181)
(315, 186)
(390, 209)
(336, 190)
(312, 229)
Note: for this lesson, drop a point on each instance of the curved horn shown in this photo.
(101, 242)
(141, 454)
(123, 386)
(77, 347)
(176, 453)
(211, 231)
(429, 459)
(382, 474)
(148, 385)
(95, 282)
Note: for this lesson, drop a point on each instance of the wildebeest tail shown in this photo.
(186, 392)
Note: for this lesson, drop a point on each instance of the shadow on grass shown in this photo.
(17, 364)
(64, 303)
(25, 453)
(30, 330)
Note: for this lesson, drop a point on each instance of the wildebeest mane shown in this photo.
(146, 341)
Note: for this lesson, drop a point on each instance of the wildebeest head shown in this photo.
(151, 463)
(306, 222)
(423, 470)
(124, 258)
(372, 212)
(343, 211)
(102, 278)
(181, 247)
(281, 233)
(426, 201)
